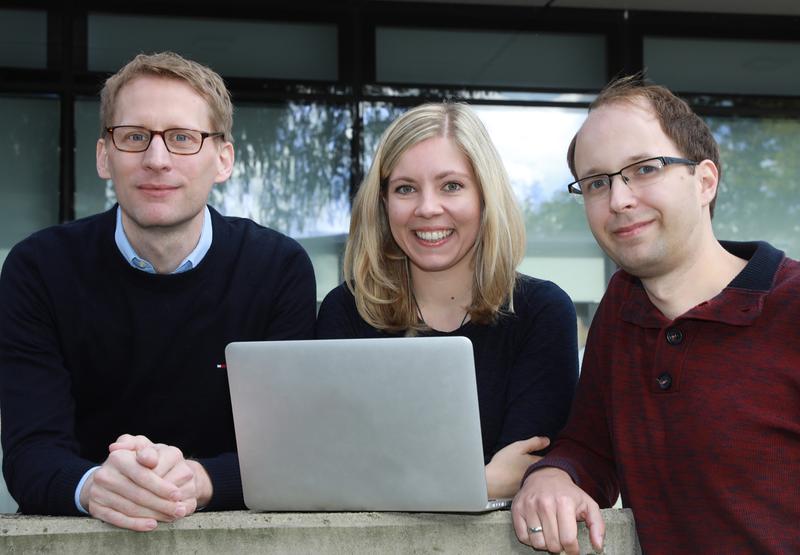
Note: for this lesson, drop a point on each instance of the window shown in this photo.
(232, 48)
(759, 196)
(29, 189)
(493, 59)
(743, 67)
(23, 39)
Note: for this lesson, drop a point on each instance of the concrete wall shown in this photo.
(296, 533)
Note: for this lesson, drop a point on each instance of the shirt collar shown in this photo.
(739, 304)
(191, 261)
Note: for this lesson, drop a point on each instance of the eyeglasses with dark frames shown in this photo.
(133, 138)
(636, 176)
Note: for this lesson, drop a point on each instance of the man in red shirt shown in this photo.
(688, 400)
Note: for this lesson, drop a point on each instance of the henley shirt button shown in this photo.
(664, 381)
(674, 336)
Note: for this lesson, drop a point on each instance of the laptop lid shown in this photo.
(387, 424)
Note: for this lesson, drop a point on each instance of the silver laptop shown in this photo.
(358, 425)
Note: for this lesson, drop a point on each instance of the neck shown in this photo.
(443, 297)
(701, 278)
(164, 247)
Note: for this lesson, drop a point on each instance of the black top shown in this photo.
(526, 364)
(91, 348)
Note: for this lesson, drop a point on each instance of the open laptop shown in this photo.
(358, 425)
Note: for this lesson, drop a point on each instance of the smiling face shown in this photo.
(655, 230)
(154, 188)
(433, 204)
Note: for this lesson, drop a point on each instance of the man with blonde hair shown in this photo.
(687, 404)
(116, 324)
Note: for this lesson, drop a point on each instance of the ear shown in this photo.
(101, 155)
(225, 158)
(707, 176)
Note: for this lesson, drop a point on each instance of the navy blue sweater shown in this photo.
(526, 364)
(91, 348)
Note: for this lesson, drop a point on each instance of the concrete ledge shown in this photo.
(295, 533)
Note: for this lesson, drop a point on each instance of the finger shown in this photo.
(547, 512)
(114, 481)
(111, 500)
(536, 534)
(520, 525)
(180, 475)
(129, 442)
(124, 462)
(535, 443)
(148, 456)
(120, 520)
(168, 457)
(568, 528)
(596, 525)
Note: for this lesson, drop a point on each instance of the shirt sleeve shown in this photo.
(545, 367)
(583, 449)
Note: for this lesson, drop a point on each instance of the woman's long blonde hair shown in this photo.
(377, 271)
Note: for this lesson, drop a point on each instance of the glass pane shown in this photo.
(492, 59)
(533, 143)
(739, 67)
(292, 174)
(759, 196)
(23, 39)
(29, 189)
(232, 48)
(92, 194)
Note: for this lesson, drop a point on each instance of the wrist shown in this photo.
(203, 486)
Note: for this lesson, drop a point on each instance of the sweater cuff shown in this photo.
(223, 470)
(554, 462)
(62, 492)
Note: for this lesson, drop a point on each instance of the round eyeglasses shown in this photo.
(132, 138)
(636, 176)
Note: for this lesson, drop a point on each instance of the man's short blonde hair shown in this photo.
(169, 65)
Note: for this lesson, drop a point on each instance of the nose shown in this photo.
(429, 204)
(157, 156)
(621, 195)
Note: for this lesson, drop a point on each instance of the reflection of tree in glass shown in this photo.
(759, 197)
(292, 170)
(375, 118)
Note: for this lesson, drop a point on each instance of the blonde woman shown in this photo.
(435, 238)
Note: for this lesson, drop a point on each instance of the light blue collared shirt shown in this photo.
(191, 261)
(125, 247)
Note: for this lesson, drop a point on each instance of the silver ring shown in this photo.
(536, 530)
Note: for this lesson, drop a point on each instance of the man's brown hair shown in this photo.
(685, 128)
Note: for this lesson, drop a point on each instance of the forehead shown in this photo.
(440, 153)
(619, 133)
(160, 102)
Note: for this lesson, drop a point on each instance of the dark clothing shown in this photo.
(91, 348)
(696, 420)
(526, 363)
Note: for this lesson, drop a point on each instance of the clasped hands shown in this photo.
(142, 483)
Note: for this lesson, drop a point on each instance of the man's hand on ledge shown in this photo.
(142, 483)
(546, 510)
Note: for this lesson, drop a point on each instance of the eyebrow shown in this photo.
(627, 162)
(440, 175)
